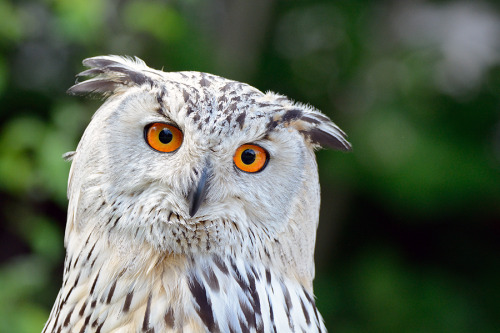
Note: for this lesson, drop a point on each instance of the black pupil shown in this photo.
(248, 156)
(165, 136)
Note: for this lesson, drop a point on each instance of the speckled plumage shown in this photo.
(137, 261)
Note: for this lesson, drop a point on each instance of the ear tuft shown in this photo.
(316, 128)
(69, 155)
(111, 74)
(327, 139)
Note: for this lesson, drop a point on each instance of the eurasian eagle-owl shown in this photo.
(193, 206)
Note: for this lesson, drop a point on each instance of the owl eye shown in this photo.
(163, 137)
(250, 158)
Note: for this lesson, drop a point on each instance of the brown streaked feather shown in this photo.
(96, 86)
(317, 135)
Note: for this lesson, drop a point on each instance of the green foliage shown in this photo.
(380, 293)
(10, 26)
(408, 237)
(155, 18)
(79, 21)
(22, 278)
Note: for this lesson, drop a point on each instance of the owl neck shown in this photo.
(114, 286)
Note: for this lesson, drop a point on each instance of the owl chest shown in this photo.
(216, 295)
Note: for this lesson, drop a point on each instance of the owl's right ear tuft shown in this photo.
(110, 74)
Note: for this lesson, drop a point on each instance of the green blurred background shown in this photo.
(409, 232)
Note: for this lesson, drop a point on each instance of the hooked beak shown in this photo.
(197, 194)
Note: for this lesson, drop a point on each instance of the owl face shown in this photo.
(190, 160)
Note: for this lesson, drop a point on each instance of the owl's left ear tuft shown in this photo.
(316, 128)
(69, 155)
(110, 74)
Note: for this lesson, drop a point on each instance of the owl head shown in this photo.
(192, 163)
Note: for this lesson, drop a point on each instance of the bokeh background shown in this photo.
(410, 220)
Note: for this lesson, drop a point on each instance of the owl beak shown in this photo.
(197, 194)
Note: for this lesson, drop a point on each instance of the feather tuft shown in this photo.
(110, 74)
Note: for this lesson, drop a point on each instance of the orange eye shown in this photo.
(163, 137)
(250, 158)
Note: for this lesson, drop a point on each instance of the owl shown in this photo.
(193, 206)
